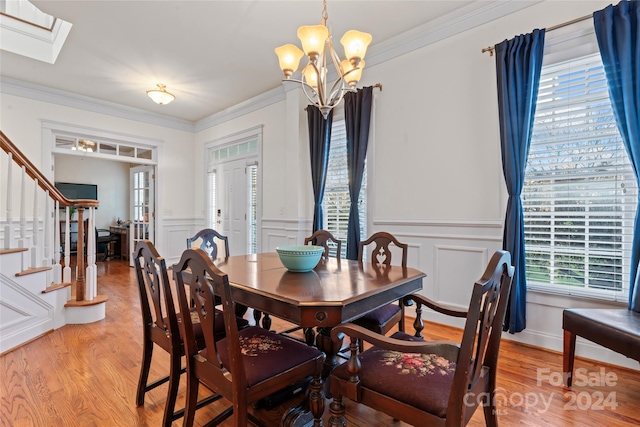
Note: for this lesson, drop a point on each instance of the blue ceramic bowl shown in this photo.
(300, 258)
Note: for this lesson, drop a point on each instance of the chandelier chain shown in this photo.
(325, 15)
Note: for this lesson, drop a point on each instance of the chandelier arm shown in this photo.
(310, 97)
(340, 90)
(320, 92)
(304, 89)
(302, 82)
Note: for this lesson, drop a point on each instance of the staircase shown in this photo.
(35, 282)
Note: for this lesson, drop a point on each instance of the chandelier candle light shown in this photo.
(316, 43)
(160, 95)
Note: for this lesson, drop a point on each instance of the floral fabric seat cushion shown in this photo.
(420, 380)
(266, 353)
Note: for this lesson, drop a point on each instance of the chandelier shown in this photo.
(160, 95)
(317, 45)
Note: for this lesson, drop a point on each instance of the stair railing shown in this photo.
(47, 253)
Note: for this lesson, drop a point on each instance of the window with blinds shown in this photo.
(336, 203)
(252, 209)
(580, 194)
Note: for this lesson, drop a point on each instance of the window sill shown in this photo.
(570, 298)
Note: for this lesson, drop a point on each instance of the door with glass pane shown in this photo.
(142, 205)
(231, 204)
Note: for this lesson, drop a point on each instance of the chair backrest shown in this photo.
(208, 243)
(199, 281)
(156, 301)
(322, 238)
(481, 337)
(381, 252)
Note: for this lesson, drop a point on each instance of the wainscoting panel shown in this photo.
(456, 270)
(175, 232)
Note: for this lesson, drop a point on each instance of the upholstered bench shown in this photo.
(615, 329)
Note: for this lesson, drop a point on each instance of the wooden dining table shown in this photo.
(334, 292)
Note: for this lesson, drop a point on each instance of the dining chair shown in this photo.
(105, 241)
(248, 364)
(208, 242)
(437, 383)
(160, 327)
(383, 319)
(209, 238)
(325, 239)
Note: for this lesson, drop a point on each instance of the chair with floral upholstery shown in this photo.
(245, 366)
(424, 383)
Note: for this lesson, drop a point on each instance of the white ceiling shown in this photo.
(211, 54)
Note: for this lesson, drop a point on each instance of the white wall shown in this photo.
(111, 177)
(21, 120)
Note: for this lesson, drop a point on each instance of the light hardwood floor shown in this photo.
(86, 375)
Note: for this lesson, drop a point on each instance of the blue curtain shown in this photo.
(357, 113)
(319, 144)
(618, 32)
(518, 65)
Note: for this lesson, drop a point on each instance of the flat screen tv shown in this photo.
(78, 191)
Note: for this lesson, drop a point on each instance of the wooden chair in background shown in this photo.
(245, 366)
(383, 319)
(325, 239)
(424, 383)
(319, 238)
(209, 242)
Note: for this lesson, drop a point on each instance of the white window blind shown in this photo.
(579, 196)
(336, 203)
(252, 209)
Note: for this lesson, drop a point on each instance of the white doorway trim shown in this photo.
(51, 130)
(251, 158)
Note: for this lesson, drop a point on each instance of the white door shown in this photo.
(231, 204)
(142, 206)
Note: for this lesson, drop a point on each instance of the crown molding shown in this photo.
(37, 92)
(255, 103)
(470, 16)
(465, 18)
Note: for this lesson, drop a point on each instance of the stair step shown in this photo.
(32, 271)
(56, 287)
(99, 299)
(12, 250)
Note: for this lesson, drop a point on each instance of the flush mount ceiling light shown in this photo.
(317, 45)
(160, 95)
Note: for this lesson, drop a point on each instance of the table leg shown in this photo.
(330, 349)
(266, 319)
